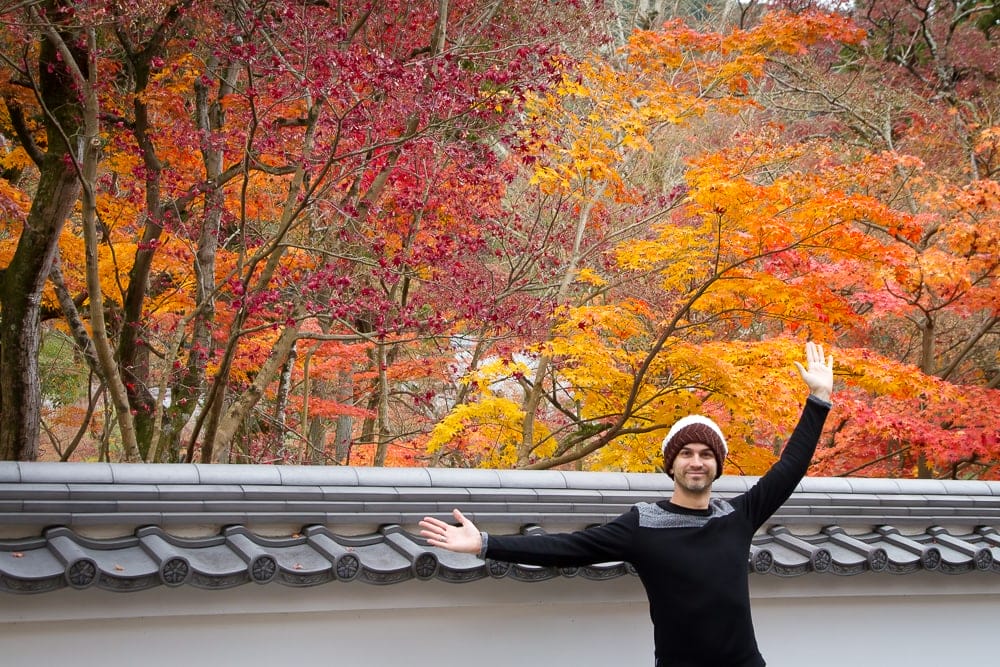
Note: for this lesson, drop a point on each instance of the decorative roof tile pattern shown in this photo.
(133, 527)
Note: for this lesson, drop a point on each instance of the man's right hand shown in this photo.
(463, 538)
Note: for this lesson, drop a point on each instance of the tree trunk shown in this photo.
(281, 405)
(132, 352)
(21, 286)
(189, 389)
(220, 431)
(317, 441)
(345, 423)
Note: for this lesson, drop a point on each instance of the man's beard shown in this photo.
(698, 485)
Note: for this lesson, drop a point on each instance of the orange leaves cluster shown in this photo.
(951, 259)
(581, 136)
(761, 233)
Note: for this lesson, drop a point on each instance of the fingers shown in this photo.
(463, 538)
(818, 365)
(432, 524)
(437, 531)
(815, 354)
(434, 530)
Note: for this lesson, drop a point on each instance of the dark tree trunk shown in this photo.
(21, 286)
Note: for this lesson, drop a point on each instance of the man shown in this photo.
(690, 551)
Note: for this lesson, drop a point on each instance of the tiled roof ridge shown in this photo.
(92, 494)
(215, 474)
(49, 513)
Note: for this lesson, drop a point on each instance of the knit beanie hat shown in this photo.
(694, 429)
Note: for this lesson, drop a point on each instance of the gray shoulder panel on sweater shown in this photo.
(652, 515)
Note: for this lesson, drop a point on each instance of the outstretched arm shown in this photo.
(463, 538)
(777, 485)
(597, 544)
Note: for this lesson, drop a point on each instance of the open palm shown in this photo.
(818, 371)
(463, 538)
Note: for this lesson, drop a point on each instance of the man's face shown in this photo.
(695, 467)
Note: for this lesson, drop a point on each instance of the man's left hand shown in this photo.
(818, 372)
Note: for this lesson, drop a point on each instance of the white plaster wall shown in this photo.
(918, 620)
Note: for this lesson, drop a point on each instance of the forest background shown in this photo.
(498, 233)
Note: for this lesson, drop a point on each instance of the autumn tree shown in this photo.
(620, 360)
(923, 84)
(45, 68)
(514, 234)
(261, 158)
(421, 105)
(808, 235)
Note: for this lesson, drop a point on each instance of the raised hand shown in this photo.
(818, 371)
(463, 538)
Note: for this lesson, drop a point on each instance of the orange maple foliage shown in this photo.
(767, 237)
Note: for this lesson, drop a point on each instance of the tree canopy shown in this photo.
(472, 233)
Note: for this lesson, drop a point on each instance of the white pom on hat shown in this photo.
(690, 420)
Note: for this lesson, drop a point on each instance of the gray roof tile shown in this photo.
(64, 473)
(393, 477)
(15, 491)
(11, 506)
(237, 474)
(10, 474)
(658, 483)
(957, 487)
(318, 475)
(534, 479)
(477, 478)
(283, 492)
(432, 494)
(164, 473)
(729, 484)
(199, 491)
(358, 494)
(832, 485)
(872, 485)
(113, 492)
(576, 479)
(928, 487)
(502, 495)
(67, 506)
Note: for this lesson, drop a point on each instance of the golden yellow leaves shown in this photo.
(590, 277)
(490, 431)
(14, 205)
(881, 376)
(14, 158)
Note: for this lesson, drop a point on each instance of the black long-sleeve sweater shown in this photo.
(693, 563)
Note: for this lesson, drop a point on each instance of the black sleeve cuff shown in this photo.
(486, 543)
(820, 401)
